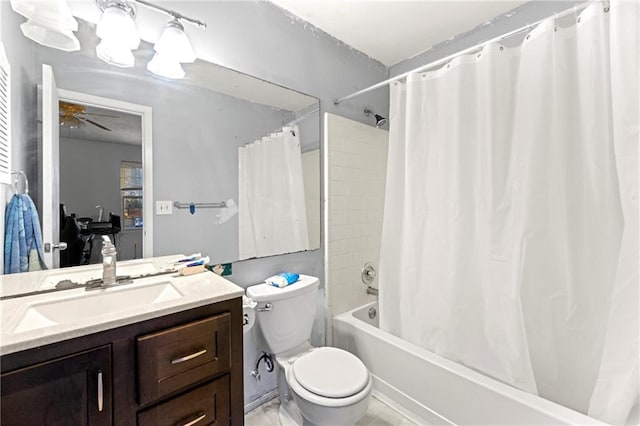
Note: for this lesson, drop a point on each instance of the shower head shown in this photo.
(380, 120)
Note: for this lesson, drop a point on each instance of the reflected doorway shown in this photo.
(102, 180)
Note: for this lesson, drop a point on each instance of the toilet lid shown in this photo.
(331, 372)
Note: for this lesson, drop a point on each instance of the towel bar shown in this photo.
(220, 205)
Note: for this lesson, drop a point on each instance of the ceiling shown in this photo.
(394, 30)
(125, 128)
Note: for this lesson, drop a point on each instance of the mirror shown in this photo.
(199, 124)
(101, 180)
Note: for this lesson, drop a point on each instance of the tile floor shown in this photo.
(378, 414)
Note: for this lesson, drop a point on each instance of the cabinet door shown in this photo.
(72, 390)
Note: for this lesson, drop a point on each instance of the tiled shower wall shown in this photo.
(356, 171)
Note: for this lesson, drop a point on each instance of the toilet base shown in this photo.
(290, 412)
(331, 416)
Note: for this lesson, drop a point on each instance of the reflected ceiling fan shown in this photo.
(74, 116)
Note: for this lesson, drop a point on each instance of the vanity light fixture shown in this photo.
(172, 49)
(118, 34)
(49, 23)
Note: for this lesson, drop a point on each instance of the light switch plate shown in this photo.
(164, 207)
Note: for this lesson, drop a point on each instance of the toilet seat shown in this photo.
(322, 401)
(330, 373)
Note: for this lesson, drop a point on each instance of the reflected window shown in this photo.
(131, 194)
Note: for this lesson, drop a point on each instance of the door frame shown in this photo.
(145, 113)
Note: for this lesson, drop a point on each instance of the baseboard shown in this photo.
(263, 399)
(405, 405)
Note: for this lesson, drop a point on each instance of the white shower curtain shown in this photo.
(511, 216)
(272, 212)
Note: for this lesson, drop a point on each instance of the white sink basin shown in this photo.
(94, 303)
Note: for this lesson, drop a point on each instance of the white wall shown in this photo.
(356, 175)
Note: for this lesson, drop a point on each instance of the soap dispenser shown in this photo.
(108, 262)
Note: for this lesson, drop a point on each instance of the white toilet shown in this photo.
(321, 386)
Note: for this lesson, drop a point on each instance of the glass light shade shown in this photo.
(115, 54)
(165, 67)
(58, 39)
(119, 36)
(50, 23)
(174, 43)
(54, 14)
(116, 26)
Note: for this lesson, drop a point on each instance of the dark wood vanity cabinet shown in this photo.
(71, 390)
(180, 369)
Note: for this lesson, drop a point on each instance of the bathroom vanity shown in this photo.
(176, 359)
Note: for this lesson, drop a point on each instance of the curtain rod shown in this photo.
(446, 59)
(304, 117)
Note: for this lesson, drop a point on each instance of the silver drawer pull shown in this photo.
(188, 357)
(194, 421)
(100, 391)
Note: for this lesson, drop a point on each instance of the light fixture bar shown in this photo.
(173, 13)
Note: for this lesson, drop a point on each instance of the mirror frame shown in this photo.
(146, 115)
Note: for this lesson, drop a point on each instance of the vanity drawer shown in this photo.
(205, 405)
(175, 358)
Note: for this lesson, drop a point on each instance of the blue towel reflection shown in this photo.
(23, 239)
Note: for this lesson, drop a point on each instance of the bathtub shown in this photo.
(430, 389)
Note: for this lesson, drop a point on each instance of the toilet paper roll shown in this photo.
(248, 318)
(248, 313)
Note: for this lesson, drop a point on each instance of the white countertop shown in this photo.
(15, 284)
(195, 290)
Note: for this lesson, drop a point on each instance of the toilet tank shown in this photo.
(293, 308)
